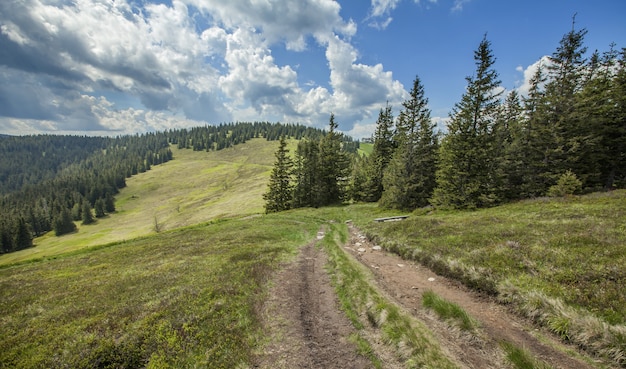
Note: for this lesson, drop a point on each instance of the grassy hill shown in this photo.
(121, 292)
(195, 187)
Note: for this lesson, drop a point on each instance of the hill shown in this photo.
(195, 187)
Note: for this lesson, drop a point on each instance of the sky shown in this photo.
(114, 67)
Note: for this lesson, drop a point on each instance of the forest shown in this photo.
(49, 182)
(567, 136)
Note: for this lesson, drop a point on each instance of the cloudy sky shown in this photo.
(124, 66)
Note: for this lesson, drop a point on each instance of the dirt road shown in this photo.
(309, 330)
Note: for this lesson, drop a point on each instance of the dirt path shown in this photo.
(302, 314)
(406, 281)
(308, 330)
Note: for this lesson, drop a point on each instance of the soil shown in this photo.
(308, 330)
(302, 314)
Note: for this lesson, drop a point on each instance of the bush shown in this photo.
(568, 184)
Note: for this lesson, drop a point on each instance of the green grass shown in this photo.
(522, 359)
(414, 344)
(558, 261)
(193, 188)
(184, 298)
(447, 310)
(365, 148)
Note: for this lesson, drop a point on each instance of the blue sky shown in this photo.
(101, 67)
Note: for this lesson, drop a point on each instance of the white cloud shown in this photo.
(459, 4)
(383, 7)
(523, 85)
(188, 62)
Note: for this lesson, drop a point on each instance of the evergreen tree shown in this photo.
(409, 180)
(507, 130)
(467, 168)
(23, 237)
(63, 223)
(562, 138)
(333, 167)
(99, 208)
(380, 157)
(306, 169)
(279, 195)
(87, 216)
(599, 121)
(109, 203)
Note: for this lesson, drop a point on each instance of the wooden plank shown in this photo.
(391, 219)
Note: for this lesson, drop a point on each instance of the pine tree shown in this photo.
(562, 137)
(409, 179)
(599, 122)
(333, 167)
(63, 223)
(306, 170)
(23, 237)
(380, 157)
(109, 203)
(99, 208)
(467, 168)
(279, 195)
(87, 216)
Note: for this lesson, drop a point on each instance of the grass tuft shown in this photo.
(447, 310)
(522, 359)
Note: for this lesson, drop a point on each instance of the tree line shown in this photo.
(568, 135)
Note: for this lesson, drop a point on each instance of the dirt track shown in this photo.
(309, 331)
(302, 314)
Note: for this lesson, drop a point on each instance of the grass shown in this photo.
(368, 309)
(522, 359)
(558, 261)
(183, 298)
(447, 310)
(193, 188)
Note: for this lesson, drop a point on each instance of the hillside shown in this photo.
(195, 187)
(183, 275)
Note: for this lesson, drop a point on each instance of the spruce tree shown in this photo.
(333, 167)
(562, 137)
(380, 157)
(99, 208)
(87, 216)
(23, 237)
(279, 194)
(409, 178)
(63, 223)
(467, 170)
(306, 171)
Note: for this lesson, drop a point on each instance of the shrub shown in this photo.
(568, 184)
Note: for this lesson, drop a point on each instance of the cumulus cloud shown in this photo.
(186, 62)
(523, 85)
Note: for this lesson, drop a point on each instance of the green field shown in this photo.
(195, 187)
(187, 296)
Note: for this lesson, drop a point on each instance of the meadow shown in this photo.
(195, 187)
(558, 261)
(175, 278)
(182, 298)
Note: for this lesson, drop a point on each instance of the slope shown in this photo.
(195, 187)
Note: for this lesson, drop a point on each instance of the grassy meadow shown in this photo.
(182, 298)
(558, 261)
(195, 187)
(120, 294)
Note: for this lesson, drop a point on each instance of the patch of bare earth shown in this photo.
(302, 316)
(405, 282)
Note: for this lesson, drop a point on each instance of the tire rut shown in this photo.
(302, 315)
(405, 282)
